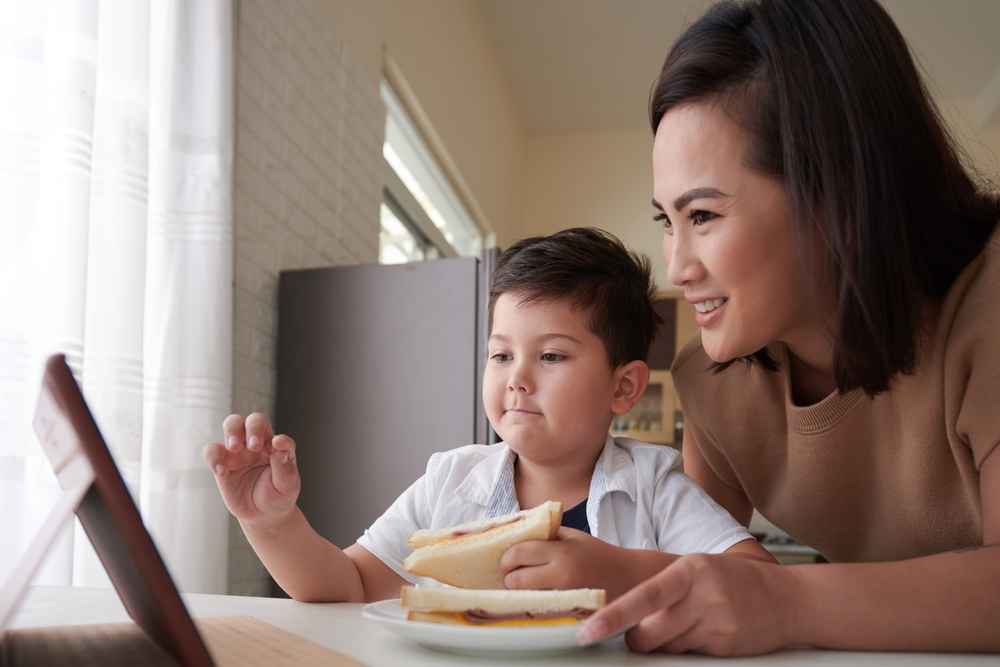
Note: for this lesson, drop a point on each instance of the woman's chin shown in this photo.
(721, 353)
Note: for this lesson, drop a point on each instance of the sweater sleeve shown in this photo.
(972, 389)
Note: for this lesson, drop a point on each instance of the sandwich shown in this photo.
(500, 608)
(468, 555)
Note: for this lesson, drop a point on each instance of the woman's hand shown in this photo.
(716, 604)
(574, 560)
(255, 471)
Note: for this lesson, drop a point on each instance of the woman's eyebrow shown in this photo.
(691, 195)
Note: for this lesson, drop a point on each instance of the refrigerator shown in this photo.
(378, 366)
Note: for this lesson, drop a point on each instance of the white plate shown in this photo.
(473, 640)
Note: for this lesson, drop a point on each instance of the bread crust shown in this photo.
(468, 555)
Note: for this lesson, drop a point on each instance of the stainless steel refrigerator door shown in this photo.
(376, 369)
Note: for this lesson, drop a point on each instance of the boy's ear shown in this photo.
(630, 383)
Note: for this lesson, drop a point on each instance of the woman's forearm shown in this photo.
(306, 565)
(944, 602)
(638, 565)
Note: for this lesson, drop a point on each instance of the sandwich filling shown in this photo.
(456, 534)
(484, 618)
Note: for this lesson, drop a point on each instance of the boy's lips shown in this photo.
(521, 411)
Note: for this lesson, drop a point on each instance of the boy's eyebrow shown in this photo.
(543, 337)
(691, 195)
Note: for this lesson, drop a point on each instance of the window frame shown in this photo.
(455, 232)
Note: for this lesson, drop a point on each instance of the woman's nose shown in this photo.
(682, 262)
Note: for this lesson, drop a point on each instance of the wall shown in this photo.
(446, 54)
(309, 125)
(309, 132)
(594, 179)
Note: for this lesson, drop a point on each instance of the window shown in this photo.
(400, 241)
(422, 216)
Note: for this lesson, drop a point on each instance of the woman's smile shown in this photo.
(709, 311)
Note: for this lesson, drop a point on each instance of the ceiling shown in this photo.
(587, 65)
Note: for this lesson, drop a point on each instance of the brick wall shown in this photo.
(309, 132)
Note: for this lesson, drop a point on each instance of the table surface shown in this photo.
(342, 628)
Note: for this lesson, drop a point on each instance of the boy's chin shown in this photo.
(528, 445)
(548, 451)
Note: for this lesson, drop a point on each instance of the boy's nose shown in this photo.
(518, 382)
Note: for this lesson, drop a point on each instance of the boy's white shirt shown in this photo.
(638, 499)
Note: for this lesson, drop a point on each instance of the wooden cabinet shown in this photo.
(652, 418)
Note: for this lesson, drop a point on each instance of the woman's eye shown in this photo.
(553, 356)
(500, 357)
(662, 218)
(699, 217)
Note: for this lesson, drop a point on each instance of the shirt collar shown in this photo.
(490, 483)
(614, 471)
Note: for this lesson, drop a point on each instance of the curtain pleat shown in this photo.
(116, 157)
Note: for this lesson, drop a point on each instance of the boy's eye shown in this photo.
(553, 356)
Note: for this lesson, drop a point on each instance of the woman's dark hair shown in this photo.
(836, 110)
(594, 271)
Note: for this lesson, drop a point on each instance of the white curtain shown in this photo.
(116, 158)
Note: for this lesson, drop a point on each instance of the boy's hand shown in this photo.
(574, 560)
(255, 470)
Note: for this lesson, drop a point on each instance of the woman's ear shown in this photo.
(630, 383)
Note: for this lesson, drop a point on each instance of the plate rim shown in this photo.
(377, 611)
(374, 611)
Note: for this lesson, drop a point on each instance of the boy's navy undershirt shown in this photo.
(576, 517)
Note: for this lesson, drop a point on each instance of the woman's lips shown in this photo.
(704, 320)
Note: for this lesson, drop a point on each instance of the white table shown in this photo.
(342, 628)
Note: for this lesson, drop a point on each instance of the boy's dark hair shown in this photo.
(836, 110)
(594, 271)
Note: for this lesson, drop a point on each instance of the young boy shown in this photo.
(571, 324)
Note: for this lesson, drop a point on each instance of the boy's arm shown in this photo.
(257, 475)
(579, 560)
(751, 549)
(310, 568)
(379, 580)
(678, 496)
(638, 565)
(306, 565)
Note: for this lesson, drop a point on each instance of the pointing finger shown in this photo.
(668, 628)
(656, 593)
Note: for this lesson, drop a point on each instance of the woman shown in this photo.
(845, 271)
